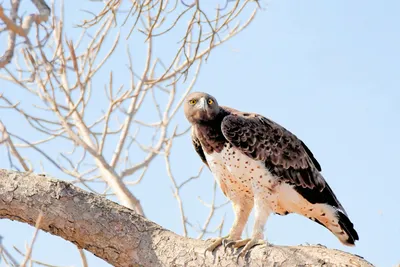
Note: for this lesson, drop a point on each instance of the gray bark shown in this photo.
(123, 238)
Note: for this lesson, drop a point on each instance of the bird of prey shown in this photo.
(258, 163)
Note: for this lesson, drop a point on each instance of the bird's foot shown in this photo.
(216, 242)
(248, 244)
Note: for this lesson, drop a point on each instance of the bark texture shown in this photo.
(123, 238)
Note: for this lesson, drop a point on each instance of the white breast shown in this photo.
(240, 174)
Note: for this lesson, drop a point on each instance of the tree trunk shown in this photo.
(123, 238)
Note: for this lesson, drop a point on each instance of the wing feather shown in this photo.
(283, 153)
(197, 146)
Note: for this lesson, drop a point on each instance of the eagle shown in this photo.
(259, 164)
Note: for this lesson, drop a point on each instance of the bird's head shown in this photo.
(200, 107)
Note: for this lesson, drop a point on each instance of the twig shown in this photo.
(6, 138)
(30, 248)
(83, 257)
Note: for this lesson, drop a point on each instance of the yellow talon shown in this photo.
(248, 244)
(216, 242)
(241, 243)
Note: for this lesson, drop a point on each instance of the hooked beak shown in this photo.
(203, 103)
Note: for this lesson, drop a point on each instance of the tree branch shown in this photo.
(123, 238)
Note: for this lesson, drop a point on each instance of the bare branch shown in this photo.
(6, 138)
(124, 238)
(83, 257)
(30, 248)
(23, 30)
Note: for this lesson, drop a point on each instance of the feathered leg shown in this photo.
(262, 212)
(242, 209)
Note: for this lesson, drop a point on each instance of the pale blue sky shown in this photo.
(326, 70)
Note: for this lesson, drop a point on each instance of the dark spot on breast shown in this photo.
(246, 114)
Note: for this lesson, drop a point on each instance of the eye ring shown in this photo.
(192, 101)
(210, 101)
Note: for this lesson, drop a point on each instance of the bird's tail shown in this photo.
(347, 227)
(337, 221)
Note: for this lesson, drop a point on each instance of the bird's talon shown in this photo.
(246, 254)
(241, 243)
(229, 244)
(225, 242)
(216, 242)
(248, 245)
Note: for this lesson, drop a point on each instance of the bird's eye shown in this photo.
(192, 102)
(210, 101)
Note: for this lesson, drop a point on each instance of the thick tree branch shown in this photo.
(123, 238)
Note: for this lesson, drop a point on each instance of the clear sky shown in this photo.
(326, 70)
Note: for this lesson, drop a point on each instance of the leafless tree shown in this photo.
(55, 71)
(59, 73)
(47, 65)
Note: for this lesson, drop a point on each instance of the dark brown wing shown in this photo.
(283, 153)
(198, 148)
